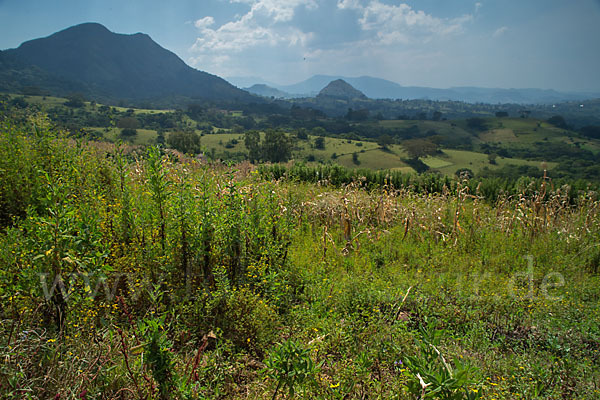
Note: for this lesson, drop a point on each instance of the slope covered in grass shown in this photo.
(190, 280)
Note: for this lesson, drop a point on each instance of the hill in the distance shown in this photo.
(341, 89)
(100, 63)
(267, 91)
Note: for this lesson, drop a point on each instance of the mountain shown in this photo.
(267, 91)
(101, 63)
(340, 89)
(377, 88)
(18, 76)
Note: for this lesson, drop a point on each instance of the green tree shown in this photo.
(74, 100)
(419, 148)
(385, 141)
(187, 142)
(476, 123)
(128, 123)
(302, 134)
(558, 121)
(126, 132)
(320, 143)
(277, 146)
(252, 143)
(591, 131)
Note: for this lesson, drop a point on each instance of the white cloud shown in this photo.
(204, 23)
(348, 4)
(401, 23)
(388, 33)
(500, 31)
(264, 24)
(478, 6)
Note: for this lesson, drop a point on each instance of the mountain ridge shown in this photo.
(378, 88)
(125, 66)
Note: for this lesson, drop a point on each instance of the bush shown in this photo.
(320, 143)
(185, 142)
(128, 132)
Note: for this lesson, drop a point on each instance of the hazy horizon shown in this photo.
(546, 44)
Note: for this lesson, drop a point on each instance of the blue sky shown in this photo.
(436, 43)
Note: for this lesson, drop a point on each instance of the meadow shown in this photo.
(490, 146)
(140, 273)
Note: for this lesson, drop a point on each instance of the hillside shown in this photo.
(492, 146)
(267, 91)
(103, 64)
(339, 89)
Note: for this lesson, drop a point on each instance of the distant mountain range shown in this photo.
(90, 59)
(102, 65)
(377, 88)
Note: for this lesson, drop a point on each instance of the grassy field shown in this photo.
(452, 160)
(142, 277)
(376, 159)
(144, 136)
(501, 133)
(371, 156)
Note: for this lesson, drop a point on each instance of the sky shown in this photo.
(548, 44)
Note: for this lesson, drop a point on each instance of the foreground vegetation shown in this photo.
(139, 273)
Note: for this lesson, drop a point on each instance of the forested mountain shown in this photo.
(101, 64)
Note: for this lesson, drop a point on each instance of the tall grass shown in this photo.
(132, 273)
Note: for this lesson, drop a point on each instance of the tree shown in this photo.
(252, 143)
(277, 146)
(477, 124)
(247, 122)
(302, 134)
(501, 114)
(419, 148)
(74, 100)
(436, 116)
(128, 132)
(320, 143)
(160, 137)
(128, 123)
(384, 141)
(195, 111)
(19, 102)
(591, 131)
(186, 142)
(319, 131)
(558, 121)
(358, 115)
